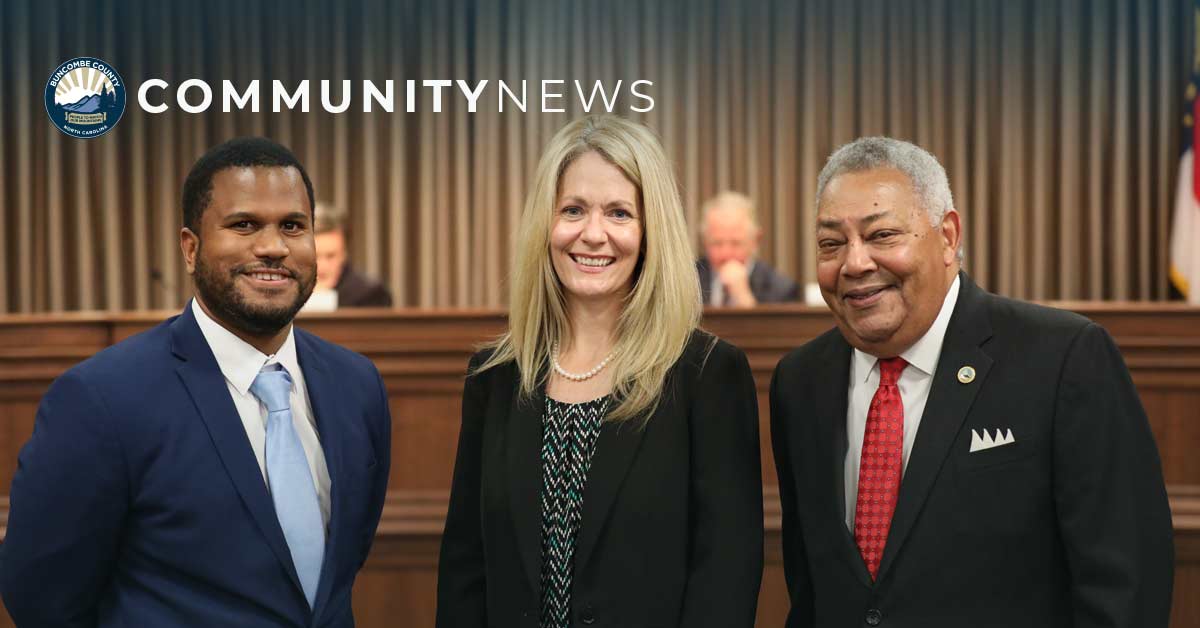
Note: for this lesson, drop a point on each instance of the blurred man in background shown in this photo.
(338, 284)
(730, 274)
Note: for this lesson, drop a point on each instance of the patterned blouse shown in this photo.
(569, 432)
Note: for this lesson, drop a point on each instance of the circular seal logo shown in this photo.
(85, 97)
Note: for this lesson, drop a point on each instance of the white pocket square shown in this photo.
(987, 442)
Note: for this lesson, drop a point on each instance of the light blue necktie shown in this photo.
(290, 480)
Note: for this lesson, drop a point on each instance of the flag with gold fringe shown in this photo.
(1185, 226)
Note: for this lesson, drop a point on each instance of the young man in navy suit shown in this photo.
(948, 457)
(223, 468)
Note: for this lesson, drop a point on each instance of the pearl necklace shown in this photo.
(577, 377)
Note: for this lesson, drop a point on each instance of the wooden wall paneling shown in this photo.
(1185, 509)
(398, 585)
(424, 440)
(16, 426)
(1174, 414)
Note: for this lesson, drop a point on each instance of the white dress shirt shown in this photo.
(914, 384)
(240, 364)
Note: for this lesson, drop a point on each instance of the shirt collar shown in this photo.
(238, 360)
(924, 353)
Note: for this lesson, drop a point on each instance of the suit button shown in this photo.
(874, 617)
(587, 616)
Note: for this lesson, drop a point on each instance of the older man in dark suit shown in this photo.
(948, 457)
(730, 273)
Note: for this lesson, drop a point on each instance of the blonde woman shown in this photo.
(608, 464)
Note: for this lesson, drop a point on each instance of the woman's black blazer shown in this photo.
(672, 531)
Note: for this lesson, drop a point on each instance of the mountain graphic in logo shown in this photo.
(85, 97)
(88, 104)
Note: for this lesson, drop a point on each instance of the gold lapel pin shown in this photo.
(966, 375)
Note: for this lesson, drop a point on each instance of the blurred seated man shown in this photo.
(338, 284)
(729, 273)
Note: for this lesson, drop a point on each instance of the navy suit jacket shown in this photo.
(138, 500)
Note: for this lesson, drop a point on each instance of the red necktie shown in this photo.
(880, 467)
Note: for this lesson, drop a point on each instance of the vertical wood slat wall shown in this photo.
(1057, 121)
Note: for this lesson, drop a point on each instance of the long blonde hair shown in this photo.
(661, 310)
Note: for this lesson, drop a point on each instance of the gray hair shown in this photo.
(927, 176)
(730, 199)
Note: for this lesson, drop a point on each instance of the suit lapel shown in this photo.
(615, 448)
(704, 271)
(758, 280)
(831, 408)
(946, 409)
(525, 477)
(322, 393)
(202, 377)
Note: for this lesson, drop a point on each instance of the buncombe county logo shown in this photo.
(85, 97)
